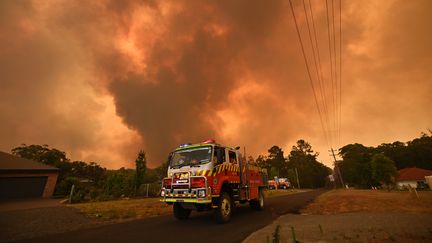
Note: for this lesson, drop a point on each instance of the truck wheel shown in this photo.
(284, 187)
(258, 204)
(224, 210)
(180, 212)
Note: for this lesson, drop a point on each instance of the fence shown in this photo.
(149, 190)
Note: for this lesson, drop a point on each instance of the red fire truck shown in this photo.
(210, 176)
(279, 183)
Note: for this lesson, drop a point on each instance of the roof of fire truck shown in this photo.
(196, 145)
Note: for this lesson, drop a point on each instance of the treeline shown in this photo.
(93, 182)
(366, 167)
(301, 161)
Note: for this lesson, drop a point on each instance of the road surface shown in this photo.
(200, 227)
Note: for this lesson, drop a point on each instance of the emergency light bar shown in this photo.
(184, 145)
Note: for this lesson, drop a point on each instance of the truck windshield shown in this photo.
(191, 157)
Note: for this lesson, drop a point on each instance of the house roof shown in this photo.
(413, 174)
(12, 162)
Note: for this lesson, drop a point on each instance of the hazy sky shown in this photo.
(102, 79)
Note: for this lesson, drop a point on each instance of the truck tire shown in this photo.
(284, 187)
(224, 210)
(258, 204)
(180, 212)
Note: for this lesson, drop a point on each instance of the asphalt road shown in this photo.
(199, 227)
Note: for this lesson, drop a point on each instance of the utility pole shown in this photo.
(298, 182)
(337, 167)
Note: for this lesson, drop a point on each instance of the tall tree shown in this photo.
(41, 153)
(140, 169)
(356, 165)
(311, 173)
(277, 162)
(383, 169)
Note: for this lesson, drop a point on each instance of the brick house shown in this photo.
(414, 177)
(23, 178)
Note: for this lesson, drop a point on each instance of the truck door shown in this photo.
(241, 169)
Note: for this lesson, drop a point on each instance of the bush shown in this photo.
(119, 183)
(64, 186)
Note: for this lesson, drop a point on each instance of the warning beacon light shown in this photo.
(184, 145)
(210, 141)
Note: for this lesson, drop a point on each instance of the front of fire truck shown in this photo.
(187, 183)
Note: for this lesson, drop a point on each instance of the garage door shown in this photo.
(22, 187)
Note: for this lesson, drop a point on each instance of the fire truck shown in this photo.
(210, 176)
(280, 183)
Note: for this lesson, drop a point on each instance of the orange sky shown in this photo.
(102, 79)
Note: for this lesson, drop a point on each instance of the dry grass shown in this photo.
(119, 210)
(280, 192)
(343, 201)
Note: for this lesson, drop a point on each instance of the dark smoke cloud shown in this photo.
(102, 79)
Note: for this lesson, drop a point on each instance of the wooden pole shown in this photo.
(298, 181)
(71, 193)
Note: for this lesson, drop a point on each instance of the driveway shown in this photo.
(23, 204)
(23, 219)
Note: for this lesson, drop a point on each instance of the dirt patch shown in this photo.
(343, 201)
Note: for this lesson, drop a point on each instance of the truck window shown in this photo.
(219, 154)
(232, 157)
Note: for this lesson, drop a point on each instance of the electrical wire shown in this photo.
(317, 68)
(323, 79)
(308, 71)
(340, 70)
(331, 70)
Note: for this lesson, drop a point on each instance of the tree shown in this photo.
(419, 151)
(119, 183)
(140, 169)
(311, 173)
(262, 162)
(276, 162)
(383, 169)
(356, 165)
(41, 153)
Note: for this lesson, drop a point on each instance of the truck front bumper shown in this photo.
(183, 195)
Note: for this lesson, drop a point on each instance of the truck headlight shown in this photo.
(162, 193)
(201, 193)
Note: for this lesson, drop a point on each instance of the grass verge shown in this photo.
(120, 210)
(344, 201)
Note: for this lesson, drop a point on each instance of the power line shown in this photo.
(308, 70)
(323, 81)
(340, 69)
(335, 72)
(324, 103)
(331, 69)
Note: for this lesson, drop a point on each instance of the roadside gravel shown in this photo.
(349, 227)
